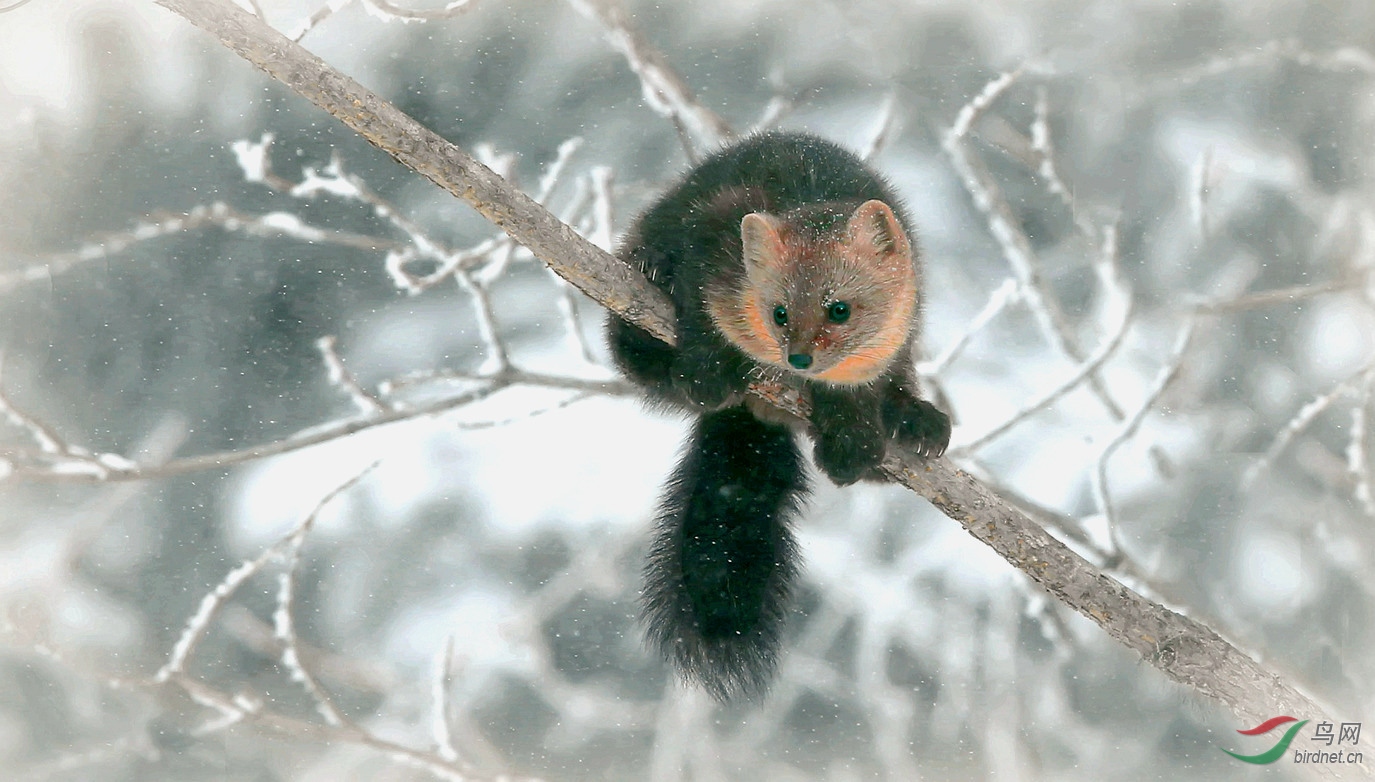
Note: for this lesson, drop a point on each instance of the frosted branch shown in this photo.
(664, 91)
(158, 226)
(54, 454)
(343, 379)
(49, 442)
(299, 729)
(1358, 446)
(498, 359)
(487, 386)
(601, 276)
(884, 127)
(1002, 296)
(1168, 373)
(1289, 295)
(1044, 149)
(443, 684)
(1298, 423)
(199, 624)
(285, 631)
(553, 173)
(320, 14)
(1003, 225)
(1105, 351)
(211, 605)
(1199, 191)
(1345, 59)
(495, 253)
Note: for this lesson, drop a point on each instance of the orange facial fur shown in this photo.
(791, 264)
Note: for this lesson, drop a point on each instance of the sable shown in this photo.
(785, 257)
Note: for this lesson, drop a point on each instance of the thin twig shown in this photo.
(1200, 192)
(396, 413)
(325, 11)
(1169, 371)
(53, 452)
(1358, 446)
(1344, 59)
(1291, 294)
(284, 626)
(1003, 225)
(440, 725)
(1300, 422)
(883, 127)
(1105, 351)
(560, 405)
(295, 728)
(157, 226)
(341, 377)
(1044, 149)
(663, 89)
(601, 276)
(498, 360)
(199, 623)
(1002, 296)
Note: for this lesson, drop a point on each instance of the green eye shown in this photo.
(780, 315)
(838, 312)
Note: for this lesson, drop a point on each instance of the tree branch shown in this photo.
(1181, 648)
(594, 271)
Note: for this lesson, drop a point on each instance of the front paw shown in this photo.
(919, 427)
(849, 455)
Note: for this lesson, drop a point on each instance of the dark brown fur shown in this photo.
(786, 258)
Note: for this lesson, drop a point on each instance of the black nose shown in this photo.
(800, 360)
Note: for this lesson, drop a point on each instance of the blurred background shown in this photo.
(1190, 182)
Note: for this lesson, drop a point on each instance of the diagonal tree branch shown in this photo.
(1181, 648)
(593, 270)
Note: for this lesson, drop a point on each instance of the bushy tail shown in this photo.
(723, 561)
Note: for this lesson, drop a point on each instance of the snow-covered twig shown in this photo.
(1344, 59)
(1121, 312)
(998, 300)
(343, 379)
(1358, 445)
(440, 727)
(1289, 295)
(118, 468)
(884, 126)
(1044, 149)
(1003, 225)
(1169, 371)
(210, 606)
(1299, 422)
(158, 226)
(663, 89)
(325, 11)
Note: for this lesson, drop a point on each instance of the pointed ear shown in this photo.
(762, 243)
(874, 230)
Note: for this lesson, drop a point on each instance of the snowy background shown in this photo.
(174, 244)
